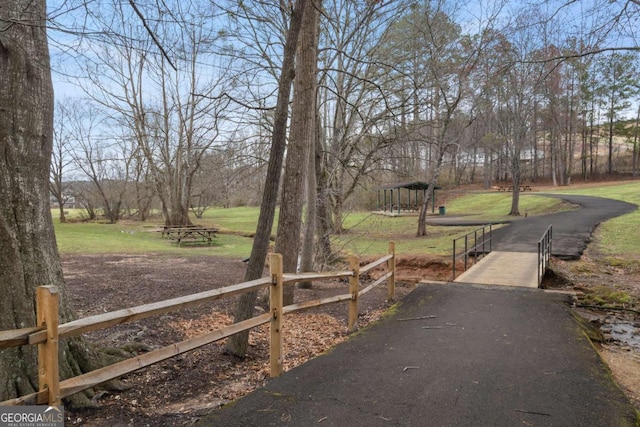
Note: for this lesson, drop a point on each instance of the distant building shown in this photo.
(69, 202)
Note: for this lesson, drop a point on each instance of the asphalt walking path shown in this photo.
(456, 355)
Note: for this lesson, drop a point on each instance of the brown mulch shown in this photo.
(176, 392)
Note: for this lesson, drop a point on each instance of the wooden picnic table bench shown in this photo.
(193, 233)
(167, 230)
(510, 188)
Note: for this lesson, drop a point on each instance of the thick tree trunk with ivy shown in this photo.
(28, 252)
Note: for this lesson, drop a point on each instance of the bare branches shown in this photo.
(151, 33)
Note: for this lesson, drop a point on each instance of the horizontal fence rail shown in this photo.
(47, 333)
(478, 242)
(544, 252)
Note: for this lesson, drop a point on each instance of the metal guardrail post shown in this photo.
(539, 250)
(544, 252)
(466, 251)
(454, 260)
(490, 238)
(486, 241)
(475, 245)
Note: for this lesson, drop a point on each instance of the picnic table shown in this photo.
(510, 188)
(190, 233)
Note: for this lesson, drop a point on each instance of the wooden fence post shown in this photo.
(391, 267)
(354, 281)
(47, 299)
(275, 304)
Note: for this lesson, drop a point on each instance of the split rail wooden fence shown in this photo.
(47, 333)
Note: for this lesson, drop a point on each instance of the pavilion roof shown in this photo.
(413, 185)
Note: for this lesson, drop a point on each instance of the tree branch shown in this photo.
(152, 34)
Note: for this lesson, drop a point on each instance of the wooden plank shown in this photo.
(376, 283)
(297, 277)
(391, 268)
(105, 320)
(276, 343)
(376, 263)
(37, 398)
(93, 378)
(47, 302)
(315, 303)
(17, 337)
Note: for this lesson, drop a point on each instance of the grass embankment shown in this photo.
(618, 238)
(366, 234)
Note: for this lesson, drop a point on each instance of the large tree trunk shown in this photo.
(238, 344)
(303, 114)
(323, 213)
(28, 252)
(309, 237)
(422, 216)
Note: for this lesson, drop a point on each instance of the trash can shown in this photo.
(441, 210)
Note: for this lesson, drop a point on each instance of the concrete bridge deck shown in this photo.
(518, 269)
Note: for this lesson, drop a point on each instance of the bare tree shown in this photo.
(449, 60)
(354, 103)
(61, 160)
(104, 161)
(238, 344)
(302, 137)
(516, 98)
(172, 108)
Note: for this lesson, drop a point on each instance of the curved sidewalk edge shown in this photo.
(449, 355)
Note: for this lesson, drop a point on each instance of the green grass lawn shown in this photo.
(365, 234)
(134, 237)
(618, 238)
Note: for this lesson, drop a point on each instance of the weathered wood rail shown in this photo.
(47, 333)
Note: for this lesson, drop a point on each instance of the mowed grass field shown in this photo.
(365, 233)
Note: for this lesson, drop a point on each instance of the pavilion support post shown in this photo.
(433, 199)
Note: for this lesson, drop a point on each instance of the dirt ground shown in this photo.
(178, 391)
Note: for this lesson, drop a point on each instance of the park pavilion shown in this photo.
(404, 197)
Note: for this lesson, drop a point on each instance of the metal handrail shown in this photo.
(485, 243)
(544, 252)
